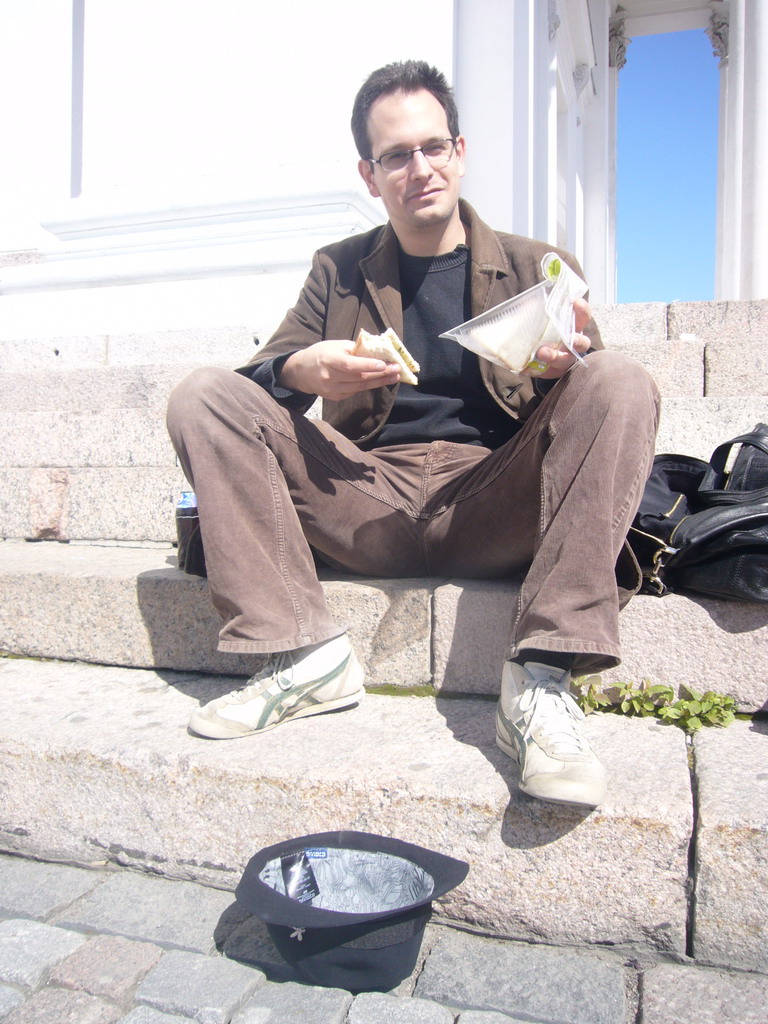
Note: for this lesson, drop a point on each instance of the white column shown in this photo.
(725, 34)
(600, 157)
(754, 280)
(740, 39)
(504, 82)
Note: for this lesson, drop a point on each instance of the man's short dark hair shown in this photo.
(403, 76)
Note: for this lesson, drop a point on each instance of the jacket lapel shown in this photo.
(382, 279)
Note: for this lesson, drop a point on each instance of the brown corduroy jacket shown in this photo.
(355, 283)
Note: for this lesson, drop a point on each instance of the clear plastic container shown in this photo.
(511, 333)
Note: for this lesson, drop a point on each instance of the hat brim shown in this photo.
(277, 908)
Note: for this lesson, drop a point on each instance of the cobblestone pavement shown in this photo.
(109, 946)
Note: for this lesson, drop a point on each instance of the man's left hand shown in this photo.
(559, 361)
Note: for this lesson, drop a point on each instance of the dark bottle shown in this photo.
(189, 540)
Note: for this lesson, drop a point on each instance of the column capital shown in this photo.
(554, 19)
(581, 75)
(719, 20)
(617, 40)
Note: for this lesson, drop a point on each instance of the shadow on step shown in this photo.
(527, 823)
(731, 616)
(182, 626)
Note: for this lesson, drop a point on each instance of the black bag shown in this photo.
(703, 526)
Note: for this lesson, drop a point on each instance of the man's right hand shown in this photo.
(329, 369)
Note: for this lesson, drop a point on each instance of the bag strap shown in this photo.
(709, 491)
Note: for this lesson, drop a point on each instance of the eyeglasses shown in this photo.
(437, 153)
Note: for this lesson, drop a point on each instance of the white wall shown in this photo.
(212, 151)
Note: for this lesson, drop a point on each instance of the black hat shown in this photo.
(347, 909)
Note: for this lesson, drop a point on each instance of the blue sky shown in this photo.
(667, 169)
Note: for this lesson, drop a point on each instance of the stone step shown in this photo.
(732, 323)
(729, 322)
(87, 456)
(228, 345)
(130, 606)
(96, 764)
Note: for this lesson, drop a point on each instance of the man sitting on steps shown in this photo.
(475, 472)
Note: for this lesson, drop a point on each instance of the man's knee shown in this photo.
(198, 386)
(621, 378)
(205, 388)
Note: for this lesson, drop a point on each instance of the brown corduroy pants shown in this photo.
(554, 503)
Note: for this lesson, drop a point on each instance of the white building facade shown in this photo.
(171, 164)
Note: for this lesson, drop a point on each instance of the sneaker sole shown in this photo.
(578, 796)
(221, 730)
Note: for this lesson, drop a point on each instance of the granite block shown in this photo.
(696, 426)
(31, 889)
(106, 965)
(388, 766)
(678, 640)
(33, 503)
(688, 641)
(110, 439)
(58, 1005)
(469, 973)
(171, 914)
(471, 634)
(149, 1015)
(630, 322)
(678, 994)
(737, 370)
(491, 1017)
(281, 1004)
(133, 504)
(737, 321)
(730, 922)
(162, 617)
(676, 366)
(228, 345)
(9, 998)
(379, 1008)
(90, 389)
(210, 990)
(53, 353)
(28, 950)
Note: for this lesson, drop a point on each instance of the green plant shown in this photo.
(690, 713)
(708, 708)
(589, 697)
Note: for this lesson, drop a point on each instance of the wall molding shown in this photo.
(102, 246)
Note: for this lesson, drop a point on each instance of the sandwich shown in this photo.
(390, 349)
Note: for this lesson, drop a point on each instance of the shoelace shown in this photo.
(547, 704)
(258, 683)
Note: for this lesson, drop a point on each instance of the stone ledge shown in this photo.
(114, 477)
(676, 640)
(452, 633)
(54, 598)
(736, 321)
(96, 763)
(731, 845)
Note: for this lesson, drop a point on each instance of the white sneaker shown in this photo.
(292, 684)
(537, 724)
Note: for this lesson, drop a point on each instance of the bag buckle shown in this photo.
(659, 563)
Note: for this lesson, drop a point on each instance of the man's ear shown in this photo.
(461, 152)
(366, 173)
